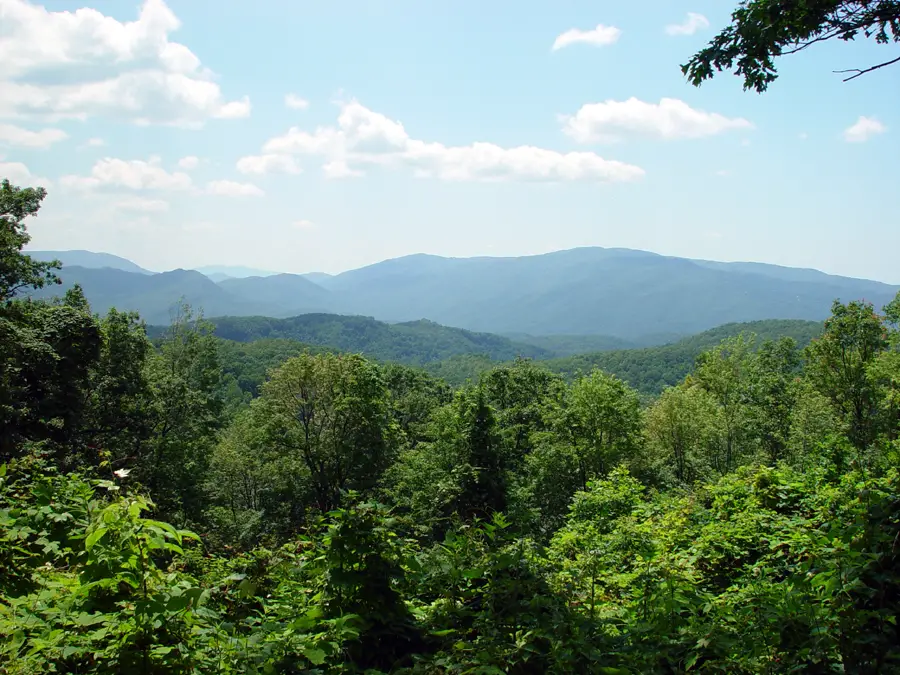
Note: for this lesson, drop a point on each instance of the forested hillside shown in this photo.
(349, 516)
(649, 370)
(414, 342)
(652, 369)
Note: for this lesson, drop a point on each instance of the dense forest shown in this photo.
(178, 505)
(457, 356)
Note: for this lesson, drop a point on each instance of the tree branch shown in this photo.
(862, 71)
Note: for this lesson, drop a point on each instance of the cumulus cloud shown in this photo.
(271, 163)
(230, 188)
(304, 224)
(19, 174)
(863, 129)
(13, 135)
(295, 102)
(59, 65)
(691, 24)
(188, 163)
(131, 174)
(599, 37)
(668, 119)
(95, 142)
(364, 138)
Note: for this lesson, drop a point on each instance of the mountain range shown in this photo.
(634, 296)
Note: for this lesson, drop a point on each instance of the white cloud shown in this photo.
(668, 119)
(363, 137)
(230, 188)
(132, 174)
(691, 24)
(188, 163)
(141, 204)
(295, 102)
(13, 135)
(18, 174)
(723, 172)
(304, 224)
(599, 37)
(81, 64)
(95, 142)
(270, 163)
(863, 129)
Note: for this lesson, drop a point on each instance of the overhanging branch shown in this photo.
(858, 72)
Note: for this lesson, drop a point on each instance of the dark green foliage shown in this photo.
(46, 355)
(762, 30)
(17, 270)
(249, 363)
(414, 343)
(652, 369)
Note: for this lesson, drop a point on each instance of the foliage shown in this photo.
(762, 30)
(652, 369)
(18, 271)
(414, 343)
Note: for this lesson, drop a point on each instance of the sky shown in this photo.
(314, 135)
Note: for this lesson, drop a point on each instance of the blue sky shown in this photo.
(375, 158)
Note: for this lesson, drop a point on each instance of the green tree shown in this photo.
(763, 30)
(412, 396)
(771, 393)
(117, 421)
(814, 427)
(601, 420)
(682, 429)
(483, 450)
(186, 414)
(838, 365)
(519, 393)
(17, 270)
(330, 412)
(724, 372)
(47, 352)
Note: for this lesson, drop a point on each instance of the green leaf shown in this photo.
(94, 537)
(315, 655)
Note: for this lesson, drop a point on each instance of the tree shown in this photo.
(771, 395)
(116, 423)
(482, 447)
(838, 365)
(47, 353)
(17, 270)
(681, 427)
(602, 422)
(724, 372)
(762, 30)
(186, 414)
(330, 412)
(519, 392)
(412, 397)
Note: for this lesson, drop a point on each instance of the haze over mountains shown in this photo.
(627, 294)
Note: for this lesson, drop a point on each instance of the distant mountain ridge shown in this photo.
(633, 296)
(89, 259)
